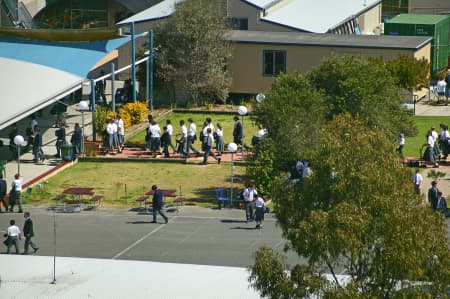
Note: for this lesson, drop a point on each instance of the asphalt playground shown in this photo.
(193, 235)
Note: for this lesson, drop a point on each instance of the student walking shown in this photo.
(28, 233)
(259, 212)
(158, 203)
(13, 237)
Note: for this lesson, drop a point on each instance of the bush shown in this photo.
(101, 116)
(133, 113)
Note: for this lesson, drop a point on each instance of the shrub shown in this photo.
(101, 116)
(133, 113)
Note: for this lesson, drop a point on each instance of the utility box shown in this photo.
(436, 26)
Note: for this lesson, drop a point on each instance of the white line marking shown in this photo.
(139, 241)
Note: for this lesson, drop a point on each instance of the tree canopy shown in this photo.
(364, 220)
(193, 52)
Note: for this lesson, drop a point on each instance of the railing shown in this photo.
(17, 13)
(24, 17)
(10, 7)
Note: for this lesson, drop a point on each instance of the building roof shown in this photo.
(315, 16)
(304, 15)
(37, 73)
(110, 278)
(161, 10)
(327, 40)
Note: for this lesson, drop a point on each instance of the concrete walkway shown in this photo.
(30, 170)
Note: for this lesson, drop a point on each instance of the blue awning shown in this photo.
(34, 74)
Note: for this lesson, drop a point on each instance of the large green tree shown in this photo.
(194, 53)
(365, 221)
(361, 87)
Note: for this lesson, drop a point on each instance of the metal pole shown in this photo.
(147, 73)
(243, 137)
(94, 132)
(150, 71)
(54, 246)
(133, 61)
(82, 132)
(232, 178)
(18, 159)
(113, 83)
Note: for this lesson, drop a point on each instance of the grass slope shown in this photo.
(121, 183)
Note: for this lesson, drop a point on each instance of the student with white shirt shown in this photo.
(191, 138)
(417, 180)
(170, 131)
(219, 139)
(13, 236)
(110, 132)
(155, 141)
(259, 211)
(16, 191)
(120, 132)
(182, 139)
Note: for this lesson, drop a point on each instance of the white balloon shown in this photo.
(83, 105)
(232, 147)
(242, 110)
(18, 140)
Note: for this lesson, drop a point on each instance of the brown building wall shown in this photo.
(429, 6)
(246, 68)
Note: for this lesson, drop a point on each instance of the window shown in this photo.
(274, 62)
(238, 23)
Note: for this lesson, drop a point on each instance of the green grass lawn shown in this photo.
(226, 120)
(423, 123)
(122, 182)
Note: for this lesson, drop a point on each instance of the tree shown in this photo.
(293, 108)
(366, 221)
(194, 54)
(364, 88)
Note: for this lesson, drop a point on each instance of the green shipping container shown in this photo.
(436, 26)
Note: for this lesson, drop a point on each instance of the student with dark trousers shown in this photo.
(158, 203)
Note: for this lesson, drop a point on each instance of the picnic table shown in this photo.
(74, 204)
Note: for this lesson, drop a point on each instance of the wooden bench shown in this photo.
(142, 200)
(94, 201)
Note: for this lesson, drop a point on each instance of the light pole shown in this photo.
(133, 61)
(18, 141)
(242, 110)
(232, 147)
(82, 106)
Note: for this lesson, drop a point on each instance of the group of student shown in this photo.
(437, 200)
(437, 146)
(114, 135)
(251, 199)
(185, 139)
